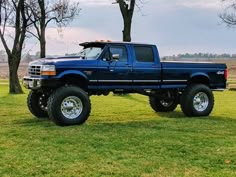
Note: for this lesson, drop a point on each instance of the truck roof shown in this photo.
(99, 43)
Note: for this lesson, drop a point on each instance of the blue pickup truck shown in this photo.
(61, 87)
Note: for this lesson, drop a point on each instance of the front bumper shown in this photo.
(32, 83)
(38, 83)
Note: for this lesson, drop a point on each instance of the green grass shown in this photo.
(3, 82)
(123, 137)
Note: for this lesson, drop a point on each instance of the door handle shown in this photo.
(130, 67)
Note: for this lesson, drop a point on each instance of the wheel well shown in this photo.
(73, 79)
(200, 80)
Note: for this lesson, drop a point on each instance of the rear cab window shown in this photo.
(144, 54)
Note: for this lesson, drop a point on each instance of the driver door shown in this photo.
(115, 68)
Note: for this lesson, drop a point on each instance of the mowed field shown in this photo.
(122, 137)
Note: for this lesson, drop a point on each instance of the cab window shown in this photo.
(144, 54)
(120, 50)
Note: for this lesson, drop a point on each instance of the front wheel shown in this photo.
(37, 104)
(197, 100)
(69, 105)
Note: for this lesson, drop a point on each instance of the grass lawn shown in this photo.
(123, 137)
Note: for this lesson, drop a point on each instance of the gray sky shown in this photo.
(175, 26)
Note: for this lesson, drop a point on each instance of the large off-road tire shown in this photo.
(69, 105)
(37, 104)
(159, 105)
(197, 100)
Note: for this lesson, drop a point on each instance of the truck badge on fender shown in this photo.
(220, 73)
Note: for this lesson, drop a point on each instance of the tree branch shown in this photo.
(131, 9)
(229, 14)
(36, 36)
(4, 43)
(123, 7)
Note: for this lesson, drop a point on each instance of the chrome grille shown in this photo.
(35, 70)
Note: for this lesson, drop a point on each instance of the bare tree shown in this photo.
(12, 17)
(127, 11)
(43, 12)
(229, 14)
(127, 8)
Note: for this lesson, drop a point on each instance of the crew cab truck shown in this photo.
(61, 87)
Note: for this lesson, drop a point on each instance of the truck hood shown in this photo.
(59, 61)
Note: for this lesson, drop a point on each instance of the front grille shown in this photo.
(35, 70)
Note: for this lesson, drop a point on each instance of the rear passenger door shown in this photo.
(146, 67)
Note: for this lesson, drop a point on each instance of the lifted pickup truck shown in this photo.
(60, 87)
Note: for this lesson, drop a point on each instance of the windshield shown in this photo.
(90, 53)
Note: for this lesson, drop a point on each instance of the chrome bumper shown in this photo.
(32, 83)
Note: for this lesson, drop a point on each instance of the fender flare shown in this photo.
(204, 78)
(71, 72)
(199, 74)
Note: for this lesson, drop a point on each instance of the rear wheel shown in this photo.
(162, 105)
(197, 100)
(69, 105)
(164, 102)
(37, 104)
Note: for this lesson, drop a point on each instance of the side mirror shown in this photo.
(115, 56)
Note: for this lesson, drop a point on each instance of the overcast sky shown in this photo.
(175, 26)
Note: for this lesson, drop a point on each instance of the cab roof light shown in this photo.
(103, 41)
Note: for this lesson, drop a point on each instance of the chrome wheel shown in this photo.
(71, 107)
(200, 101)
(43, 102)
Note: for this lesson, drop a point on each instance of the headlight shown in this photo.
(48, 70)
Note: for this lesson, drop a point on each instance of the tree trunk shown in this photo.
(127, 30)
(42, 29)
(14, 87)
(42, 43)
(127, 12)
(14, 55)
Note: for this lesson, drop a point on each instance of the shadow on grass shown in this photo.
(180, 115)
(173, 115)
(133, 98)
(34, 121)
(177, 116)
